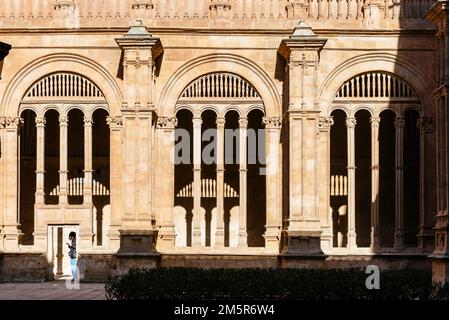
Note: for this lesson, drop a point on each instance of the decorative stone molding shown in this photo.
(220, 122)
(219, 8)
(167, 122)
(272, 123)
(142, 4)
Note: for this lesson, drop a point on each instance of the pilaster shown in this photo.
(302, 51)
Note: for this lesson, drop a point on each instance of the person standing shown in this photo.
(73, 255)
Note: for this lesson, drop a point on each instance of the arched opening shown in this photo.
(100, 175)
(339, 178)
(411, 177)
(219, 186)
(52, 154)
(387, 149)
(27, 175)
(256, 181)
(363, 178)
(383, 152)
(75, 156)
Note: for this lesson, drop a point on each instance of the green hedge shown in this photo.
(310, 284)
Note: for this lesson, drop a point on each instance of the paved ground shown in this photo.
(55, 290)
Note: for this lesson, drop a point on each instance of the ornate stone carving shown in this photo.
(399, 122)
(243, 122)
(375, 121)
(325, 123)
(10, 122)
(115, 122)
(426, 124)
(63, 121)
(167, 122)
(351, 122)
(272, 122)
(88, 121)
(40, 121)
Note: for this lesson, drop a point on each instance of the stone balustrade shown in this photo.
(237, 14)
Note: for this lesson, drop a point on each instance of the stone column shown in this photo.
(439, 15)
(140, 50)
(11, 221)
(87, 186)
(243, 172)
(219, 237)
(375, 219)
(427, 179)
(399, 191)
(40, 161)
(164, 176)
(301, 51)
(351, 122)
(325, 124)
(273, 183)
(115, 176)
(196, 225)
(63, 155)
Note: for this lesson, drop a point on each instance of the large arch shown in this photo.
(60, 62)
(219, 62)
(386, 62)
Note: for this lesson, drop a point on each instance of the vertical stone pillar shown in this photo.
(325, 124)
(165, 134)
(301, 51)
(40, 161)
(63, 158)
(439, 15)
(219, 237)
(116, 185)
(140, 50)
(351, 122)
(273, 183)
(399, 188)
(196, 225)
(243, 173)
(87, 186)
(11, 227)
(375, 218)
(427, 179)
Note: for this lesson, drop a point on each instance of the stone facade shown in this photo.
(339, 141)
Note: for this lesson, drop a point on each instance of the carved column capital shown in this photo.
(272, 122)
(325, 123)
(10, 122)
(351, 122)
(426, 125)
(115, 122)
(167, 122)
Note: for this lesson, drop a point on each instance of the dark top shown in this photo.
(72, 251)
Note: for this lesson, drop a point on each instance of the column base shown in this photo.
(440, 269)
(10, 237)
(399, 241)
(166, 238)
(219, 239)
(137, 242)
(302, 243)
(243, 239)
(327, 239)
(196, 239)
(426, 240)
(272, 238)
(114, 238)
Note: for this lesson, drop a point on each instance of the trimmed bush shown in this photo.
(260, 284)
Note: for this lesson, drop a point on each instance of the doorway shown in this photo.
(58, 253)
